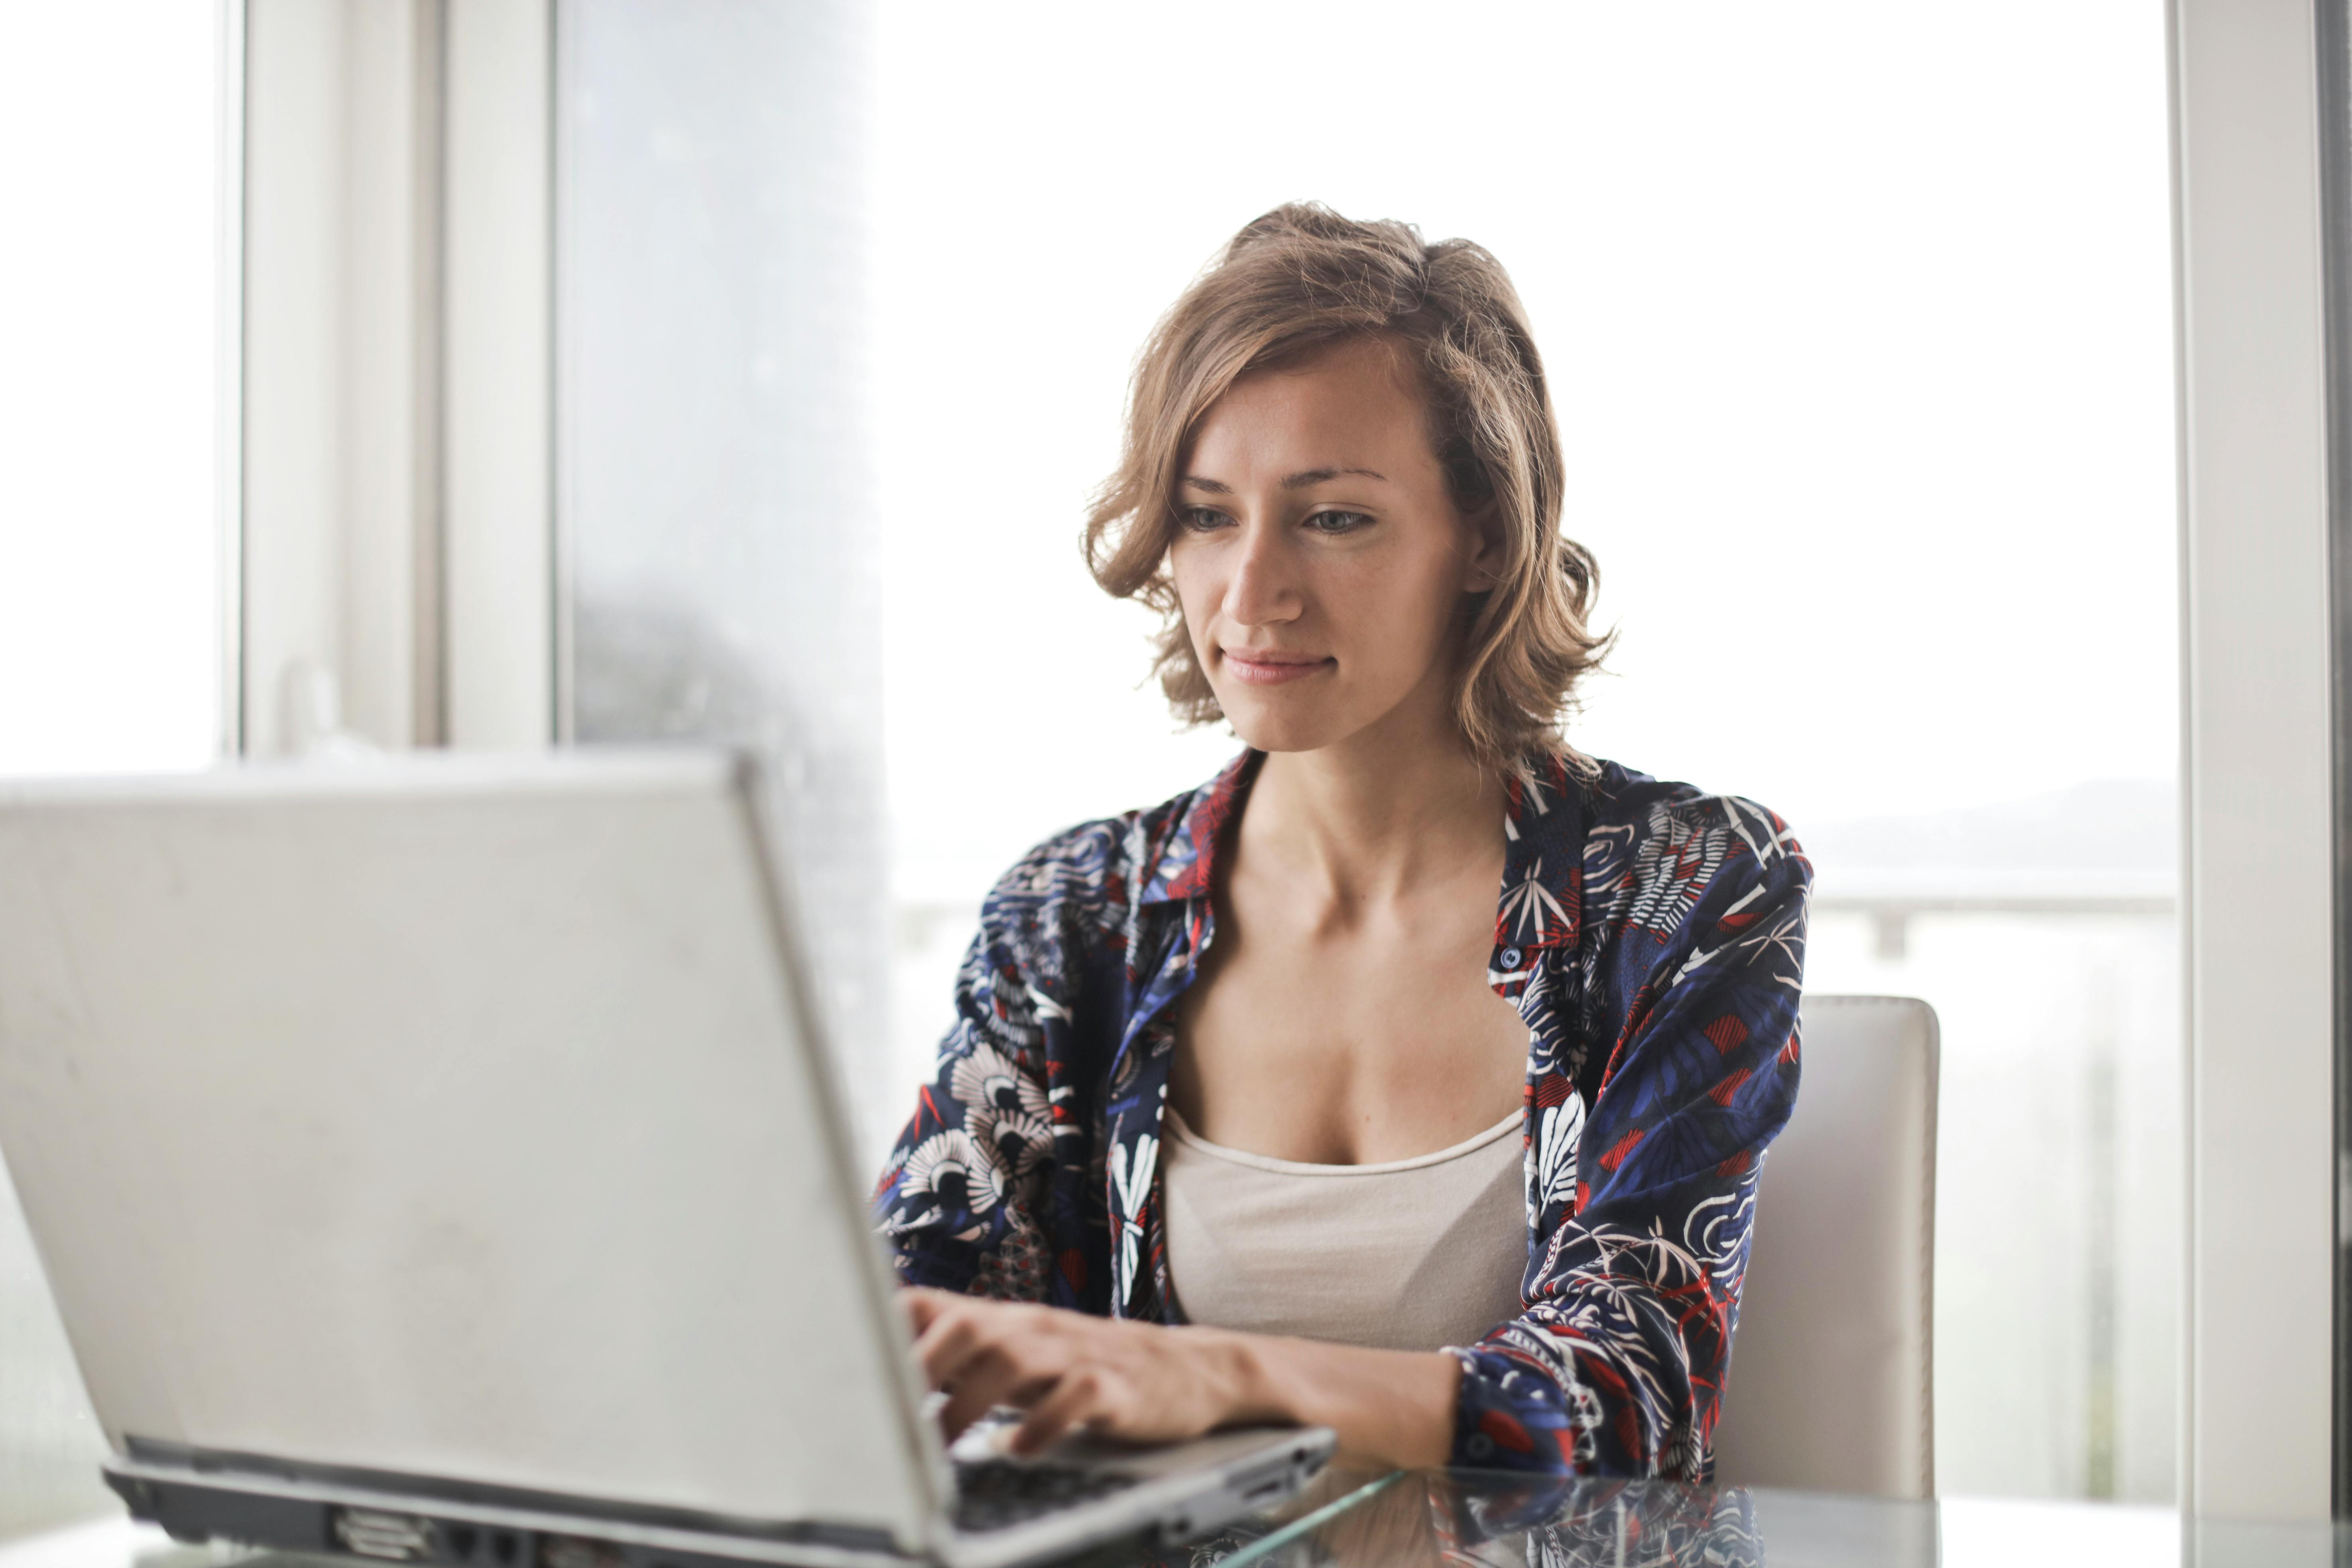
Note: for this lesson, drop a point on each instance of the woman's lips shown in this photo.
(1272, 669)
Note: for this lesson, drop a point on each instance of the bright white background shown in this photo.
(1858, 322)
(109, 634)
(109, 597)
(1857, 315)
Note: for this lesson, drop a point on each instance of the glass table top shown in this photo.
(1470, 1520)
(1352, 1519)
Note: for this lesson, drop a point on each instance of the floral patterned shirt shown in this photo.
(1653, 937)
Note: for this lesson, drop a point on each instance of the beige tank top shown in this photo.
(1409, 1254)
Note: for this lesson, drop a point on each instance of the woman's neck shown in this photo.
(1371, 820)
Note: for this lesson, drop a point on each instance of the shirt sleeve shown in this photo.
(1617, 1365)
(959, 1203)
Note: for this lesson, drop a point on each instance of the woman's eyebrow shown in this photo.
(1298, 481)
(1306, 477)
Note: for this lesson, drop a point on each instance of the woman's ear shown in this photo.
(1482, 563)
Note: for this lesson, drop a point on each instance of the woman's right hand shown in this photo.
(1069, 1371)
(1146, 1382)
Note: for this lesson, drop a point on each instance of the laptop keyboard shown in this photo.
(991, 1494)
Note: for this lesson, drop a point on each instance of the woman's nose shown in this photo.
(1263, 588)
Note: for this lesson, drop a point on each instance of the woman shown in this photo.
(1222, 1134)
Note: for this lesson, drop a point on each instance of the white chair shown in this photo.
(1830, 1369)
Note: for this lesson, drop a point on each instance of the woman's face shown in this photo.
(1320, 560)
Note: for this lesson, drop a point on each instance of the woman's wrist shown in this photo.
(1250, 1374)
(1392, 1407)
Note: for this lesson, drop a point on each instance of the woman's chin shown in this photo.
(1264, 728)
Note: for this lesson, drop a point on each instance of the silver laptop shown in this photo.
(434, 1158)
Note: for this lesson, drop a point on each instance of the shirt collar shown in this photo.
(1186, 865)
(1542, 898)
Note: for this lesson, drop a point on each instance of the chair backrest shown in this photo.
(1832, 1366)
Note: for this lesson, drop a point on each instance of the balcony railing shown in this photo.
(1891, 899)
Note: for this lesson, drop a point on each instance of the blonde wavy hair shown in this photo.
(1291, 284)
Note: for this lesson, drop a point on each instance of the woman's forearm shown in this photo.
(1150, 1383)
(1393, 1407)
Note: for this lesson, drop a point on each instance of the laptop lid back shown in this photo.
(455, 1117)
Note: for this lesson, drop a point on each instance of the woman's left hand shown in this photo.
(1140, 1382)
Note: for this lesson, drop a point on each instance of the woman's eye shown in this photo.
(1339, 521)
(1202, 519)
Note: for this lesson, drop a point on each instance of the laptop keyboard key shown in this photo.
(994, 1493)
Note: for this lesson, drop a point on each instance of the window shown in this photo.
(1858, 322)
(1857, 318)
(110, 590)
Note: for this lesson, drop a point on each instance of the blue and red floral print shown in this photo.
(1653, 937)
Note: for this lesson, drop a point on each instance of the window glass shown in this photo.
(1857, 320)
(715, 489)
(109, 652)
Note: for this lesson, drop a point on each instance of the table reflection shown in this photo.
(1467, 1520)
(1405, 1520)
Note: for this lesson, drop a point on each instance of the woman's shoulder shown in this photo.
(1104, 867)
(1643, 829)
(1617, 793)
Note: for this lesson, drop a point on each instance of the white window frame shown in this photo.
(395, 536)
(2257, 774)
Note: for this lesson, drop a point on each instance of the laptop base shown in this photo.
(199, 1496)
